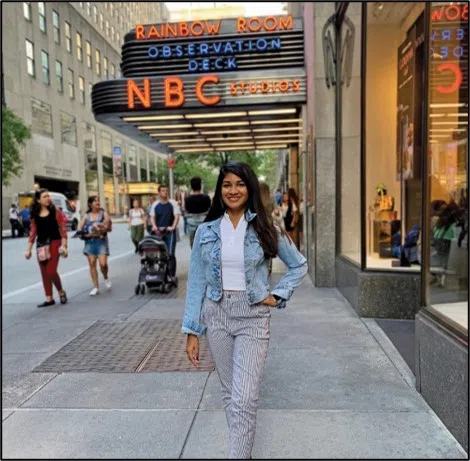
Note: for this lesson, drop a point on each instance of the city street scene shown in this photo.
(235, 230)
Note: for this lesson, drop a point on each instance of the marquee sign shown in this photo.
(224, 45)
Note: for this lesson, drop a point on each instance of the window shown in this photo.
(81, 87)
(88, 54)
(113, 71)
(118, 38)
(111, 12)
(95, 14)
(105, 68)
(101, 21)
(71, 84)
(45, 67)
(113, 35)
(56, 26)
(106, 28)
(68, 129)
(90, 89)
(68, 37)
(89, 142)
(98, 62)
(79, 46)
(88, 8)
(27, 11)
(30, 58)
(133, 163)
(59, 76)
(41, 117)
(42, 17)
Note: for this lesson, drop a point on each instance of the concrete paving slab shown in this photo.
(328, 379)
(317, 333)
(6, 414)
(19, 313)
(328, 435)
(164, 309)
(34, 336)
(92, 434)
(122, 391)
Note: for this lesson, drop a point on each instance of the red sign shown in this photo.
(450, 13)
(171, 162)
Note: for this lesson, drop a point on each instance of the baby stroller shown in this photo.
(154, 272)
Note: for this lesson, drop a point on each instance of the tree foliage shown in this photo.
(207, 167)
(14, 136)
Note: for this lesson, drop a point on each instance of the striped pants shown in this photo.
(238, 338)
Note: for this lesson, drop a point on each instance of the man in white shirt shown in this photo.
(165, 217)
(14, 221)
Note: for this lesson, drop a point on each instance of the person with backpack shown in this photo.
(137, 223)
(94, 228)
(197, 205)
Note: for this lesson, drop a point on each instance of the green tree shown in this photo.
(14, 136)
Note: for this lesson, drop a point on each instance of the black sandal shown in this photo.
(47, 303)
(63, 298)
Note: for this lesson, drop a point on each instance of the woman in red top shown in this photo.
(48, 226)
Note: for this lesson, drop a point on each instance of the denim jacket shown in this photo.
(205, 271)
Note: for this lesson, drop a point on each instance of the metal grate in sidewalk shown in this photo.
(126, 347)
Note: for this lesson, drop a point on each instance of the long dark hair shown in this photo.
(262, 224)
(36, 206)
(292, 194)
(91, 199)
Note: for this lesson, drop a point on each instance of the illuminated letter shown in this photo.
(133, 90)
(208, 101)
(437, 14)
(286, 22)
(296, 86)
(273, 26)
(452, 12)
(253, 28)
(171, 32)
(233, 89)
(153, 33)
(184, 30)
(174, 92)
(241, 25)
(213, 29)
(139, 32)
(458, 78)
(194, 31)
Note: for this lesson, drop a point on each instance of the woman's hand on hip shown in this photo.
(192, 349)
(270, 301)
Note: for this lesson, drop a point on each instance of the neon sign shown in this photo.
(450, 13)
(265, 87)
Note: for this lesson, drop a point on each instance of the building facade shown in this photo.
(386, 177)
(53, 52)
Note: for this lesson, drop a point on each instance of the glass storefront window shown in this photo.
(393, 131)
(448, 161)
(132, 163)
(350, 163)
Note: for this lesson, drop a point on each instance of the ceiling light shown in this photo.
(218, 115)
(225, 132)
(440, 135)
(233, 144)
(150, 118)
(461, 114)
(459, 122)
(217, 124)
(440, 105)
(270, 122)
(201, 150)
(272, 112)
(182, 141)
(189, 145)
(271, 136)
(448, 130)
(166, 135)
(223, 149)
(266, 146)
(263, 130)
(437, 115)
(163, 127)
(240, 138)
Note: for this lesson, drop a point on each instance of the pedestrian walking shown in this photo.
(228, 295)
(197, 206)
(148, 210)
(25, 217)
(268, 204)
(290, 208)
(137, 223)
(165, 217)
(14, 221)
(49, 232)
(94, 228)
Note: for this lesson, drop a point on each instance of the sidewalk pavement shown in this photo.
(333, 387)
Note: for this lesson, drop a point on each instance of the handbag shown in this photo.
(44, 252)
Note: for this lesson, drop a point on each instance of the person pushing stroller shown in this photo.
(165, 216)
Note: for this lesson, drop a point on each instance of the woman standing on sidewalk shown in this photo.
(137, 223)
(228, 293)
(95, 225)
(48, 227)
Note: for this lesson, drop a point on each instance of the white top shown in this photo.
(136, 216)
(233, 254)
(13, 213)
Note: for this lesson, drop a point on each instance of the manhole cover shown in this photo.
(126, 347)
